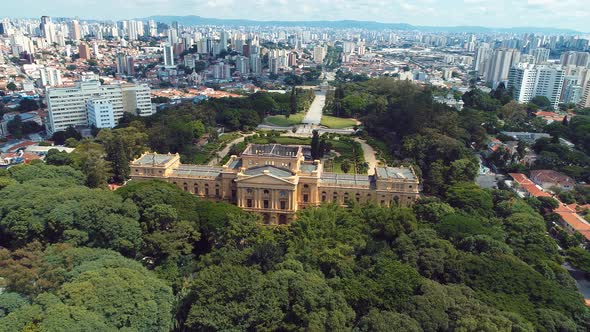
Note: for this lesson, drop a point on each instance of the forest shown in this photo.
(150, 257)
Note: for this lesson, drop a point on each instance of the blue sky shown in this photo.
(572, 14)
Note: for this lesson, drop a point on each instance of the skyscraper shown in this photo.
(541, 55)
(168, 55)
(47, 29)
(529, 81)
(84, 51)
(75, 33)
(575, 58)
(499, 65)
(482, 55)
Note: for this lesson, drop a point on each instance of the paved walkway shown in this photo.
(221, 154)
(314, 114)
(369, 155)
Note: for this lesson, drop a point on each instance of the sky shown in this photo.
(569, 14)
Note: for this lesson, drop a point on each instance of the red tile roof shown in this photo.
(528, 185)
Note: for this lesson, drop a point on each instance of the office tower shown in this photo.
(132, 31)
(318, 54)
(572, 94)
(75, 33)
(168, 55)
(68, 106)
(541, 55)
(255, 64)
(47, 29)
(348, 47)
(84, 51)
(585, 100)
(50, 77)
(499, 65)
(100, 112)
(223, 39)
(529, 81)
(292, 61)
(125, 65)
(95, 50)
(153, 28)
(273, 65)
(172, 36)
(243, 65)
(482, 55)
(573, 58)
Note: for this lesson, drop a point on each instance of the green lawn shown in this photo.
(337, 123)
(283, 121)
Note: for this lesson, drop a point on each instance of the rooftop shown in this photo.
(346, 179)
(278, 172)
(395, 173)
(154, 159)
(272, 150)
(197, 171)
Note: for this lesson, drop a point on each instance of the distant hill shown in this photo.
(198, 20)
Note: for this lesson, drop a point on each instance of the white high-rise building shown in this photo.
(68, 106)
(50, 76)
(499, 65)
(572, 58)
(318, 54)
(168, 55)
(529, 81)
(75, 32)
(541, 55)
(482, 55)
(243, 65)
(100, 113)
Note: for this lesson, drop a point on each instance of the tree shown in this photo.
(11, 86)
(384, 321)
(58, 158)
(541, 101)
(316, 153)
(27, 105)
(89, 158)
(293, 101)
(345, 166)
(126, 298)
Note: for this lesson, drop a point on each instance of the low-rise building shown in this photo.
(548, 179)
(278, 180)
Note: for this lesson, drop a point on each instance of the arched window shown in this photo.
(185, 186)
(346, 197)
(249, 191)
(335, 197)
(282, 219)
(266, 192)
(358, 197)
(196, 189)
(206, 189)
(324, 196)
(217, 191)
(283, 193)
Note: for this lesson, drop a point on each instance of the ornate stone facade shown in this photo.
(277, 180)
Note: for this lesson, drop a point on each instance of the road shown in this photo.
(369, 155)
(221, 154)
(314, 114)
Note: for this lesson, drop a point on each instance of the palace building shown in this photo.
(277, 180)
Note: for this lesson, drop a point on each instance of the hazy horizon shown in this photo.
(501, 14)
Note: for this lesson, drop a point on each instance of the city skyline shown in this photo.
(523, 13)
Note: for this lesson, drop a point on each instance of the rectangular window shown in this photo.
(265, 203)
(305, 198)
(249, 202)
(283, 205)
